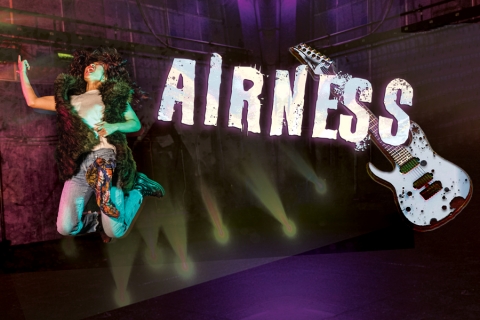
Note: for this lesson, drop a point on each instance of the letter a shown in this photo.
(172, 94)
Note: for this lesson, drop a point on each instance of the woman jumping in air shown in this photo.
(93, 105)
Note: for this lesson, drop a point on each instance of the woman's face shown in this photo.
(95, 72)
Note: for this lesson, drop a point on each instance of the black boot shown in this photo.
(148, 187)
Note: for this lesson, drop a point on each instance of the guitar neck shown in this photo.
(318, 64)
(398, 154)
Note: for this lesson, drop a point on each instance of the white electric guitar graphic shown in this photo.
(429, 190)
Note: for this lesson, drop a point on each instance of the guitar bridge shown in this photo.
(431, 190)
(423, 180)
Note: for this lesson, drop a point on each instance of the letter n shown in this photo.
(284, 103)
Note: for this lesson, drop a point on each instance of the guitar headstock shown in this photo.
(316, 62)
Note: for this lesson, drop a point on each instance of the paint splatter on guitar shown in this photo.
(429, 190)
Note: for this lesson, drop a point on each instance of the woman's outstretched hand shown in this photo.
(23, 65)
(46, 102)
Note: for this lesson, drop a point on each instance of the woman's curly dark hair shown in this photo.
(115, 71)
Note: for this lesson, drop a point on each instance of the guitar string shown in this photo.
(397, 153)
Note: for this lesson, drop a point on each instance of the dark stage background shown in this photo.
(235, 199)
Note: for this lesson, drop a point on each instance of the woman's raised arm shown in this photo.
(46, 102)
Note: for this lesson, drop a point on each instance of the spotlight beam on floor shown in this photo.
(264, 190)
(175, 229)
(305, 169)
(220, 231)
(149, 227)
(121, 255)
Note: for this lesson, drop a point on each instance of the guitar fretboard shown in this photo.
(399, 154)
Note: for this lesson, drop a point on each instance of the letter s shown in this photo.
(390, 102)
(350, 101)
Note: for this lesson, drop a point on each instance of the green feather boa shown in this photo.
(76, 138)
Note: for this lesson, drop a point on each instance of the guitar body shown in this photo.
(449, 187)
(429, 190)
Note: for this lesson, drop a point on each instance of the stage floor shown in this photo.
(389, 272)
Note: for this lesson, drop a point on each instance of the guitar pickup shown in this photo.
(431, 190)
(409, 165)
(423, 180)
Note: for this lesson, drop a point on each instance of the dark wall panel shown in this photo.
(31, 189)
(439, 64)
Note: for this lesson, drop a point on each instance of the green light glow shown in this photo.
(220, 231)
(320, 186)
(290, 229)
(69, 247)
(121, 255)
(62, 55)
(122, 297)
(263, 188)
(306, 170)
(222, 235)
(185, 268)
(154, 257)
(175, 230)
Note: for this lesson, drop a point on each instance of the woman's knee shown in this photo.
(114, 233)
(66, 224)
(113, 229)
(65, 229)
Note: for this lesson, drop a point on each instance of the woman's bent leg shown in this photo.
(99, 176)
(71, 219)
(128, 207)
(117, 211)
(76, 192)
